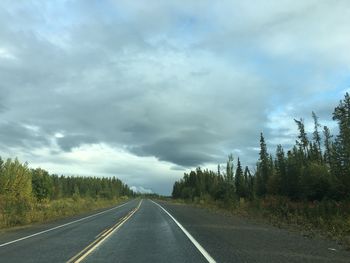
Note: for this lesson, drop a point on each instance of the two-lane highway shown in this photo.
(146, 231)
(138, 231)
(151, 235)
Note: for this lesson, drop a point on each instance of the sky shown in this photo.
(148, 90)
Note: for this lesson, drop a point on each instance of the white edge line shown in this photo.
(60, 226)
(190, 237)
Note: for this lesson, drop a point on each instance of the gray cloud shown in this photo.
(185, 84)
(71, 141)
(16, 135)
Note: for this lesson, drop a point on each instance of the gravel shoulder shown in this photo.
(230, 238)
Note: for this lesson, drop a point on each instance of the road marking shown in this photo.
(190, 237)
(105, 234)
(101, 233)
(60, 226)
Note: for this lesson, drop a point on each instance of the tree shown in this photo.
(249, 183)
(41, 184)
(293, 174)
(316, 140)
(239, 180)
(305, 172)
(229, 170)
(342, 115)
(327, 145)
(16, 192)
(314, 182)
(263, 168)
(280, 164)
(303, 141)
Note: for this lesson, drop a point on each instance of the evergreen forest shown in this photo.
(307, 186)
(317, 167)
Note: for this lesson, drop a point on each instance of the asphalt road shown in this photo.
(150, 235)
(62, 243)
(146, 232)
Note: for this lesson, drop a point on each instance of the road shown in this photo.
(144, 231)
(60, 244)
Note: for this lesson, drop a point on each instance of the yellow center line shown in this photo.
(101, 234)
(102, 237)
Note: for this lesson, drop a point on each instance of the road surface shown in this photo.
(145, 231)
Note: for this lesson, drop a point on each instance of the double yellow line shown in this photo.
(102, 237)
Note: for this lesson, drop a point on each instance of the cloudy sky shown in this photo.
(146, 90)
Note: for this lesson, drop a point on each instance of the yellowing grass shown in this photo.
(49, 210)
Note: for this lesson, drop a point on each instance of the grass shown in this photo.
(48, 210)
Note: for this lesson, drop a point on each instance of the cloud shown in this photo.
(14, 135)
(167, 86)
(72, 141)
(141, 190)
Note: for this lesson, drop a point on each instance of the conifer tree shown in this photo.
(280, 164)
(246, 181)
(327, 145)
(239, 181)
(293, 174)
(342, 115)
(317, 138)
(342, 143)
(303, 141)
(263, 166)
(229, 170)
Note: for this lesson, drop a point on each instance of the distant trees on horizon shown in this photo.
(316, 168)
(21, 188)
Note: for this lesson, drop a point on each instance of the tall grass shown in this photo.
(328, 216)
(45, 210)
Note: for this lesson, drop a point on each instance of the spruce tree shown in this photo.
(281, 168)
(303, 141)
(239, 181)
(317, 138)
(263, 166)
(293, 174)
(229, 169)
(327, 145)
(342, 115)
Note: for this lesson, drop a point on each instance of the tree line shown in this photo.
(21, 188)
(317, 167)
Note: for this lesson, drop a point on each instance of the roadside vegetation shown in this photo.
(33, 195)
(307, 185)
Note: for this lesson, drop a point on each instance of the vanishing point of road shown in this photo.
(148, 231)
